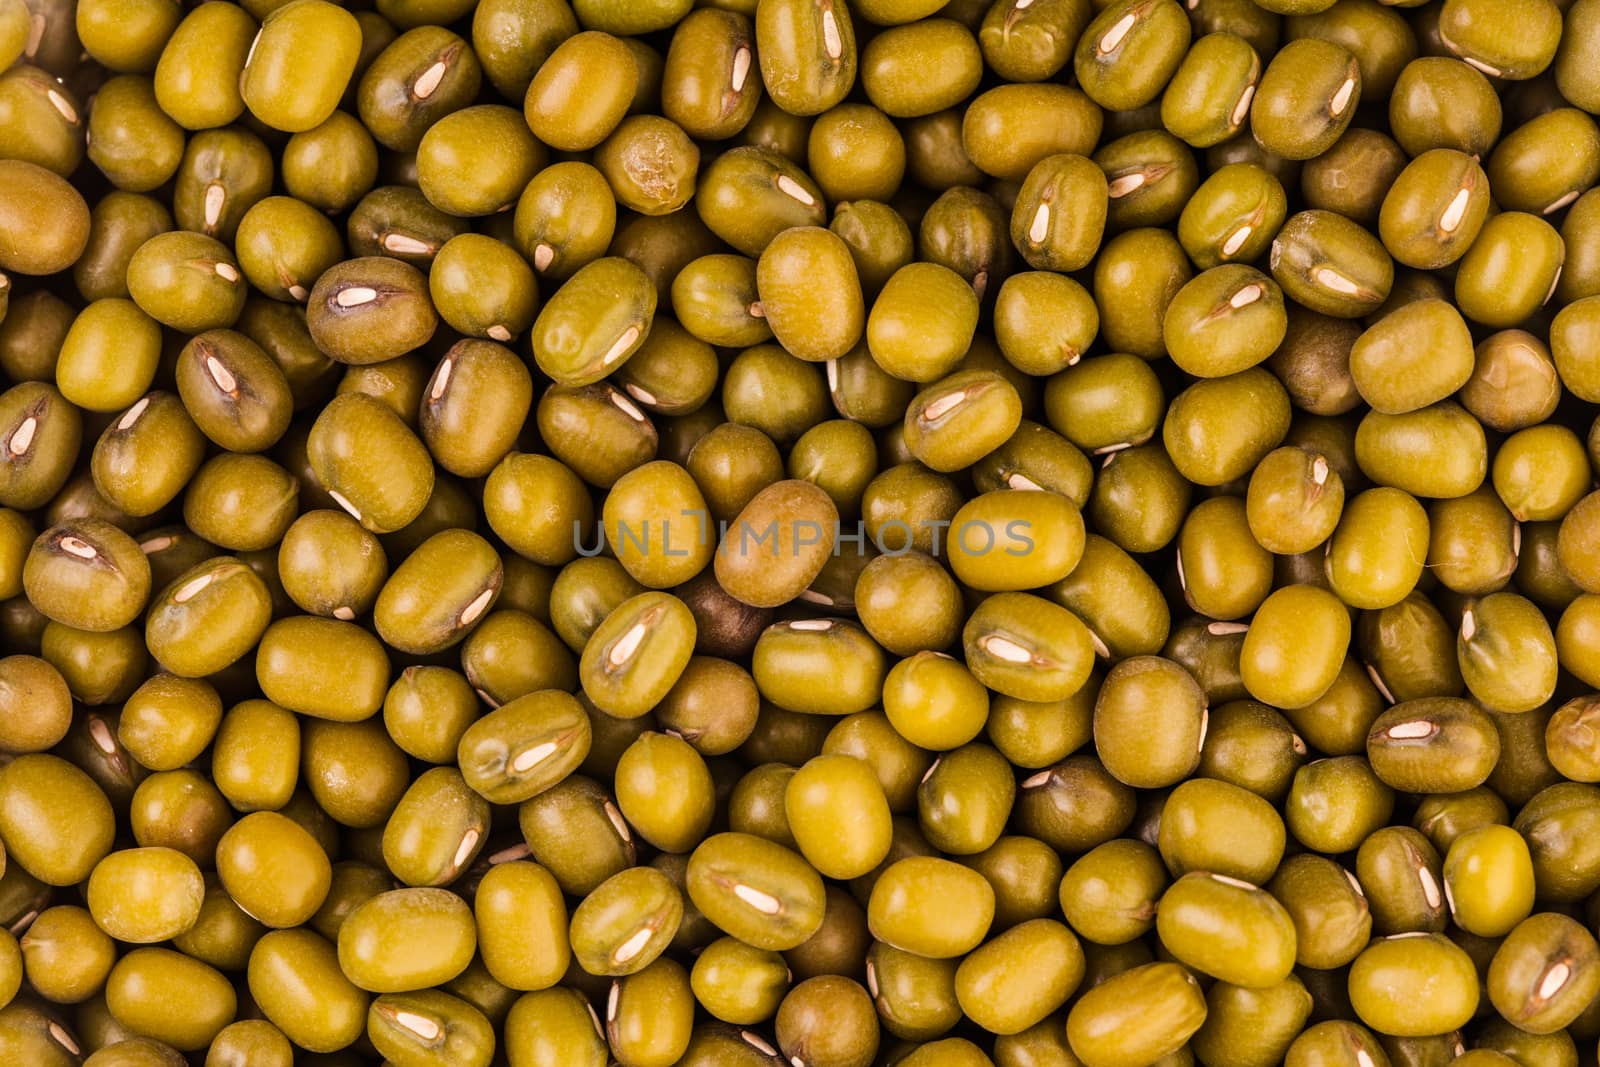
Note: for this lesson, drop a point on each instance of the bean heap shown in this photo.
(820, 533)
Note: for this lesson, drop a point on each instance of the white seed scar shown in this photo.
(633, 946)
(1560, 202)
(1554, 979)
(101, 735)
(1332, 279)
(1377, 682)
(227, 272)
(1247, 296)
(627, 645)
(831, 40)
(621, 345)
(1554, 281)
(355, 296)
(1341, 98)
(64, 1039)
(626, 406)
(758, 899)
(441, 378)
(1242, 108)
(1114, 37)
(131, 416)
(344, 502)
(1430, 888)
(794, 190)
(741, 68)
(469, 841)
(618, 822)
(78, 547)
(1237, 883)
(216, 197)
(943, 406)
(479, 605)
(1236, 239)
(756, 1041)
(427, 82)
(1127, 183)
(530, 758)
(420, 1025)
(404, 244)
(1041, 224)
(221, 375)
(1003, 648)
(62, 105)
(193, 588)
(543, 256)
(511, 853)
(1455, 211)
(1410, 731)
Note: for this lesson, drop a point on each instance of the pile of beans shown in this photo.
(821, 533)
